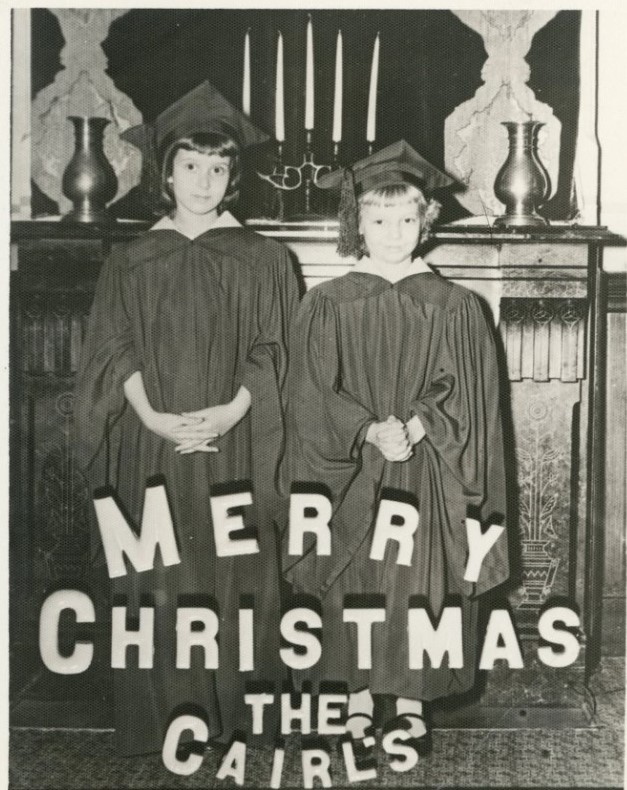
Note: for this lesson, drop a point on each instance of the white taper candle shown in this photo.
(371, 125)
(309, 79)
(337, 98)
(246, 77)
(279, 99)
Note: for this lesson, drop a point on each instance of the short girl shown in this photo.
(393, 394)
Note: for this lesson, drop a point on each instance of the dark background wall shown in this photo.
(430, 63)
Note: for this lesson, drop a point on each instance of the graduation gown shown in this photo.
(199, 318)
(363, 349)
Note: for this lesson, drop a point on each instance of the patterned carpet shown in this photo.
(539, 758)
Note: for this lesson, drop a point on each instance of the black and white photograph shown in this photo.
(317, 396)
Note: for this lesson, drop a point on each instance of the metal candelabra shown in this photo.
(288, 178)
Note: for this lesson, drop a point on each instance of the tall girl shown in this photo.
(180, 384)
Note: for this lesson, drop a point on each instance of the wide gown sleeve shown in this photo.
(108, 358)
(277, 300)
(328, 423)
(264, 370)
(461, 415)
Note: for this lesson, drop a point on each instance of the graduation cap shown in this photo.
(203, 109)
(396, 164)
(399, 163)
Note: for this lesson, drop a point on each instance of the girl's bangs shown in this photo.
(392, 195)
(210, 143)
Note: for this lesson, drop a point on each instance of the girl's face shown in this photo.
(391, 229)
(199, 182)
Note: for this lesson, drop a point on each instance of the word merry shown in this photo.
(310, 513)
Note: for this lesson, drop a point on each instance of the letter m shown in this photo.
(119, 539)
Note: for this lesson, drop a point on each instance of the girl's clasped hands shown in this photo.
(395, 439)
(195, 431)
(191, 432)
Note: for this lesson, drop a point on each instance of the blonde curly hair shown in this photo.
(351, 242)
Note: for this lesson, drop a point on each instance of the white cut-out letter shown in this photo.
(118, 539)
(83, 652)
(318, 524)
(225, 523)
(403, 533)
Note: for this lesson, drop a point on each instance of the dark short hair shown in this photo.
(204, 143)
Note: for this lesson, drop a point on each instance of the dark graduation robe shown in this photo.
(198, 318)
(363, 349)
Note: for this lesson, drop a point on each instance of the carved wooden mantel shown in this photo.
(545, 286)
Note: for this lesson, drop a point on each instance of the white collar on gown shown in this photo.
(224, 220)
(417, 266)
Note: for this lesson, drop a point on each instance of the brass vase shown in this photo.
(89, 181)
(522, 183)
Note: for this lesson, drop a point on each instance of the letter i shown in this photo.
(246, 641)
(277, 766)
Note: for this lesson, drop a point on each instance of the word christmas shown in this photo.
(198, 627)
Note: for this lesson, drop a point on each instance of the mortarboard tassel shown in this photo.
(152, 172)
(348, 241)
